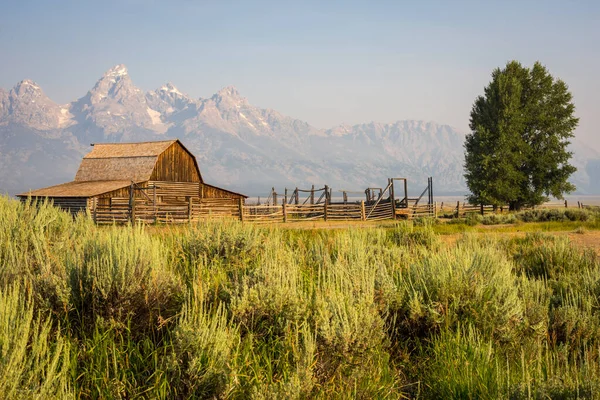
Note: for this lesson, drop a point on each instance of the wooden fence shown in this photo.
(121, 211)
(194, 209)
(464, 209)
(333, 212)
(323, 211)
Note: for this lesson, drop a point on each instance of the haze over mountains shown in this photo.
(239, 146)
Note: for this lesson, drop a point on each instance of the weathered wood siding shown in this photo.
(176, 165)
(212, 192)
(105, 198)
(70, 204)
(182, 190)
(173, 191)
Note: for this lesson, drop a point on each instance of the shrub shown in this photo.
(551, 257)
(227, 248)
(207, 344)
(405, 234)
(463, 285)
(272, 295)
(119, 275)
(545, 215)
(496, 219)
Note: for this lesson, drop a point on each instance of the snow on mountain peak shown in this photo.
(117, 70)
(170, 88)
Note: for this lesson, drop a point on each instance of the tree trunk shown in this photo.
(514, 206)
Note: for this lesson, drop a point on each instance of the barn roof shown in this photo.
(78, 189)
(140, 149)
(117, 161)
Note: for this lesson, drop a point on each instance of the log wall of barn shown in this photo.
(181, 190)
(70, 204)
(176, 165)
(212, 192)
(173, 191)
(105, 198)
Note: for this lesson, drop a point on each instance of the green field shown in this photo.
(232, 310)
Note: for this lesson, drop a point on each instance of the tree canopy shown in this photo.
(516, 153)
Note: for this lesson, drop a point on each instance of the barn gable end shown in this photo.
(176, 164)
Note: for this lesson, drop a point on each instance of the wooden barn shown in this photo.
(150, 181)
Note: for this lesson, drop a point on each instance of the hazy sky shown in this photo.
(325, 62)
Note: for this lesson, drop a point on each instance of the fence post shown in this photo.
(392, 197)
(363, 214)
(241, 208)
(458, 209)
(325, 210)
(154, 203)
(435, 209)
(95, 205)
(133, 211)
(284, 211)
(312, 195)
(481, 207)
(578, 205)
(566, 204)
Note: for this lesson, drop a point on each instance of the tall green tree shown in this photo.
(516, 153)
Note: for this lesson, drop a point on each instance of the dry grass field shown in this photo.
(501, 307)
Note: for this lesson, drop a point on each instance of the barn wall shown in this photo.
(174, 191)
(70, 204)
(211, 192)
(175, 164)
(123, 193)
(181, 190)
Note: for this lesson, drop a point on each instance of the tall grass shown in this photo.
(231, 310)
(34, 360)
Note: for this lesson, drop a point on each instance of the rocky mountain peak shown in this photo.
(170, 88)
(228, 91)
(116, 72)
(115, 104)
(168, 100)
(27, 105)
(115, 84)
(27, 87)
(229, 97)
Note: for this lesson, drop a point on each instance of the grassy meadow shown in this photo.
(230, 310)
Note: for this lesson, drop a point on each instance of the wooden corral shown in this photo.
(148, 181)
(391, 202)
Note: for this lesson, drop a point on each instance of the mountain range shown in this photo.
(238, 146)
